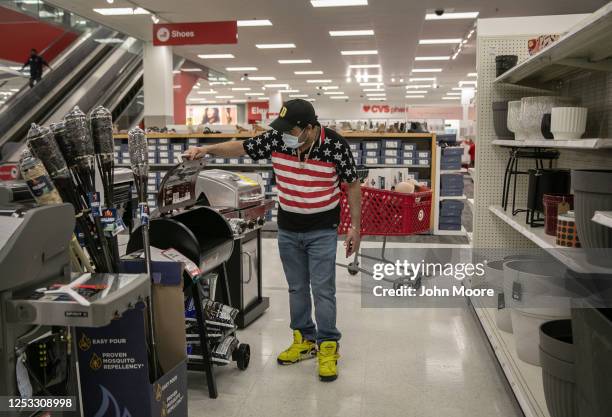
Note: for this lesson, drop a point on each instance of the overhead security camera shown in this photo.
(439, 12)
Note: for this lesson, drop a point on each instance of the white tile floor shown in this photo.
(395, 362)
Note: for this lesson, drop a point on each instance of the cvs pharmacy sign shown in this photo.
(195, 33)
(383, 108)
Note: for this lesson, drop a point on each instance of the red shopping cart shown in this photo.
(387, 213)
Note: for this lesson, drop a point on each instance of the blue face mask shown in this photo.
(292, 141)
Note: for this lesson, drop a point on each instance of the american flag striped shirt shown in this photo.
(308, 191)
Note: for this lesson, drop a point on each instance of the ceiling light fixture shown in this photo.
(417, 96)
(416, 92)
(318, 81)
(295, 61)
(330, 87)
(401, 80)
(289, 91)
(121, 11)
(376, 95)
(298, 95)
(370, 84)
(191, 69)
(253, 22)
(285, 86)
(241, 68)
(254, 94)
(432, 58)
(224, 96)
(216, 56)
(365, 52)
(472, 74)
(364, 32)
(210, 92)
(338, 3)
(339, 97)
(461, 83)
(427, 70)
(364, 66)
(374, 89)
(449, 16)
(453, 94)
(311, 99)
(439, 41)
(451, 98)
(377, 99)
(240, 100)
(418, 86)
(262, 78)
(275, 45)
(308, 72)
(334, 93)
(241, 88)
(422, 79)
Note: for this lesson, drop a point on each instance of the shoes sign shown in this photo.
(195, 33)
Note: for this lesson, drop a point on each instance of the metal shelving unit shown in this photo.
(587, 46)
(585, 49)
(586, 144)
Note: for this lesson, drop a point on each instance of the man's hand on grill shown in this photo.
(353, 239)
(195, 152)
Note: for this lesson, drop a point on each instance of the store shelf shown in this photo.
(462, 232)
(574, 259)
(459, 197)
(603, 217)
(585, 47)
(348, 135)
(525, 380)
(453, 171)
(472, 172)
(596, 143)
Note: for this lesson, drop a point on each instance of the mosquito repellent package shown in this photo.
(218, 314)
(222, 352)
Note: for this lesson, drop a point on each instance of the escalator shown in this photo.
(93, 71)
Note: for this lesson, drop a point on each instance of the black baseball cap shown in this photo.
(293, 113)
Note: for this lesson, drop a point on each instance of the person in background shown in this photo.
(309, 163)
(36, 63)
(211, 115)
(228, 116)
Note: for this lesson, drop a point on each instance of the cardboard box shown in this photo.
(114, 367)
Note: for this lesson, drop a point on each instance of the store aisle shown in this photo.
(395, 362)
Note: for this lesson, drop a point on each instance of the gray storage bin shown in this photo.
(456, 220)
(451, 180)
(451, 191)
(452, 151)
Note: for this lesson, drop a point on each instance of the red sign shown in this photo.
(257, 111)
(195, 33)
(9, 172)
(383, 108)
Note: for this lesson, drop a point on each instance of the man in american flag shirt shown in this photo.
(309, 163)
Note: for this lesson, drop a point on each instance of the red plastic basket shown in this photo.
(389, 213)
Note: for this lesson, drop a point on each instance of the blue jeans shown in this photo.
(309, 262)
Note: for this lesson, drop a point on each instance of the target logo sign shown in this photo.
(421, 215)
(163, 34)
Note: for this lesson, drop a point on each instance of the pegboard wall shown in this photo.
(491, 160)
(593, 89)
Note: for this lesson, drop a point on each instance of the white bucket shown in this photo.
(542, 298)
(494, 273)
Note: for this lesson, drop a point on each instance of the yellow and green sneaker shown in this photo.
(328, 361)
(299, 350)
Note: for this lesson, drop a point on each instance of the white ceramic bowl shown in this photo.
(513, 122)
(534, 108)
(567, 123)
